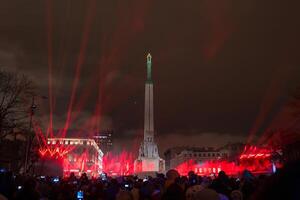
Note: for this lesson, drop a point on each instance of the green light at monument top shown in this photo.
(149, 68)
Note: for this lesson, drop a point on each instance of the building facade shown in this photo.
(178, 155)
(232, 151)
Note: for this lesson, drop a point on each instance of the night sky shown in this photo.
(221, 69)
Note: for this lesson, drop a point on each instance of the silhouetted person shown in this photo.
(84, 180)
(171, 175)
(124, 195)
(112, 189)
(28, 191)
(72, 177)
(174, 192)
(247, 184)
(7, 185)
(222, 184)
(283, 185)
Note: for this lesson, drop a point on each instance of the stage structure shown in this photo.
(148, 159)
(75, 155)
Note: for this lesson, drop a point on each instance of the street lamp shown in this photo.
(30, 138)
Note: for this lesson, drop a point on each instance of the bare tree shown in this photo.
(15, 94)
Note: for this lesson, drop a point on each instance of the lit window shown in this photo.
(48, 142)
(71, 142)
(66, 142)
(76, 142)
(53, 142)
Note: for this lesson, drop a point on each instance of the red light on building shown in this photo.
(257, 160)
(77, 155)
(254, 159)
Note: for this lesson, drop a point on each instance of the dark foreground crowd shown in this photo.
(284, 184)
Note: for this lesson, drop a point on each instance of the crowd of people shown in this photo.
(285, 184)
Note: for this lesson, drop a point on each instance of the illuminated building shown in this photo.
(148, 159)
(104, 140)
(258, 159)
(76, 155)
(232, 150)
(178, 155)
(207, 161)
(170, 154)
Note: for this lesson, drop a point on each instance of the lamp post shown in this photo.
(30, 137)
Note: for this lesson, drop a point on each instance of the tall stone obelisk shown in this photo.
(148, 159)
(148, 120)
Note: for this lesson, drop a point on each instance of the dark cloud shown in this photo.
(214, 62)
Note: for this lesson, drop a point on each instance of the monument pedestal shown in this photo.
(149, 166)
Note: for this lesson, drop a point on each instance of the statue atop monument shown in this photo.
(149, 67)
